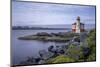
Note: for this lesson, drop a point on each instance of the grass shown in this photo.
(61, 59)
(45, 38)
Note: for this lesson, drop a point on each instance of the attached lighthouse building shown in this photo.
(78, 27)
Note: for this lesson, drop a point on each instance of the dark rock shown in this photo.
(45, 55)
(50, 48)
(43, 34)
(37, 60)
(54, 34)
(86, 51)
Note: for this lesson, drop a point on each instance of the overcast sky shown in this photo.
(30, 13)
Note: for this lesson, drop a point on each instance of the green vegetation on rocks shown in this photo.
(43, 36)
(61, 59)
(79, 53)
(92, 45)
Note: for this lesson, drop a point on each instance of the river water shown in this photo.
(23, 48)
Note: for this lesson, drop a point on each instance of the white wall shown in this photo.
(5, 33)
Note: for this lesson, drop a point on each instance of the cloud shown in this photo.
(30, 13)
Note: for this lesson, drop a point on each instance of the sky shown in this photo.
(32, 13)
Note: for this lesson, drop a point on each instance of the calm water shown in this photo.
(24, 48)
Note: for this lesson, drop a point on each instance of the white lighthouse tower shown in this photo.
(77, 27)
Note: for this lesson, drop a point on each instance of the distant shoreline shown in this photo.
(39, 28)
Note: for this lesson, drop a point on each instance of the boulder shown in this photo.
(43, 34)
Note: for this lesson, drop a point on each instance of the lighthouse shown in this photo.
(77, 27)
